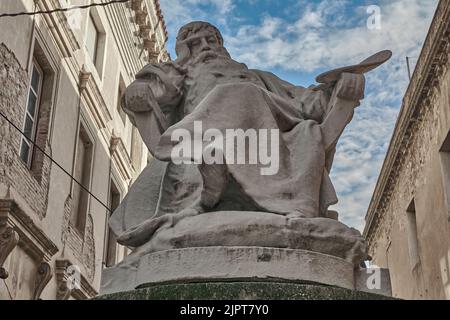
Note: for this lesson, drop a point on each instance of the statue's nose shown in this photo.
(205, 45)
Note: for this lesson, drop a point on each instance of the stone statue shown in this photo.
(182, 201)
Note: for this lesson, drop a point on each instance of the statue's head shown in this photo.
(198, 39)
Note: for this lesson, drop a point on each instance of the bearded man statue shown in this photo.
(181, 190)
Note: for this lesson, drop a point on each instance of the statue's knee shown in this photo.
(242, 89)
(225, 88)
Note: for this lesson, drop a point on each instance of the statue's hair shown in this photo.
(190, 29)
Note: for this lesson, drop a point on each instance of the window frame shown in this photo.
(413, 235)
(444, 157)
(81, 217)
(98, 64)
(93, 55)
(35, 66)
(111, 243)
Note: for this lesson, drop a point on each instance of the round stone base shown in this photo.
(242, 291)
(228, 264)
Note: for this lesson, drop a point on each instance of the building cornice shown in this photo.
(58, 26)
(429, 68)
(32, 238)
(122, 161)
(96, 104)
(148, 29)
(18, 229)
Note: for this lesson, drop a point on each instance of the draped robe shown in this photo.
(229, 96)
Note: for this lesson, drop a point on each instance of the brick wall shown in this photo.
(32, 187)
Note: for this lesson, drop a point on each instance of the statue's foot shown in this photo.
(140, 234)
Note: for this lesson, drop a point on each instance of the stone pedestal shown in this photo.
(248, 250)
(251, 270)
(242, 291)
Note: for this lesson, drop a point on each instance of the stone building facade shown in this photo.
(408, 220)
(61, 78)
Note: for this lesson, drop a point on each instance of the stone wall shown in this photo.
(31, 186)
(37, 242)
(413, 173)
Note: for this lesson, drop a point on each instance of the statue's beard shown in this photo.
(207, 56)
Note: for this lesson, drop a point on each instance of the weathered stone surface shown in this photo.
(243, 264)
(242, 291)
(31, 185)
(407, 222)
(213, 263)
(40, 190)
(260, 229)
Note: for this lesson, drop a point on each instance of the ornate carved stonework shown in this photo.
(89, 248)
(71, 284)
(147, 33)
(43, 276)
(63, 291)
(81, 245)
(8, 241)
(17, 228)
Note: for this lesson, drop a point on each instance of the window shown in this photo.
(121, 92)
(31, 113)
(111, 245)
(413, 241)
(445, 165)
(96, 41)
(92, 39)
(82, 173)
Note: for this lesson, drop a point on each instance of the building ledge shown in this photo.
(33, 240)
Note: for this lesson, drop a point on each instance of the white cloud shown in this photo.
(321, 38)
(317, 40)
(179, 12)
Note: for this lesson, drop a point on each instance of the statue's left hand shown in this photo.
(351, 86)
(347, 93)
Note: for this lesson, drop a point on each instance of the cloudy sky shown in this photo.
(299, 39)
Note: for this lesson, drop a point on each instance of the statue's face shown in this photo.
(203, 41)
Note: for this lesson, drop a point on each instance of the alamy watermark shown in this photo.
(374, 20)
(373, 281)
(230, 146)
(73, 277)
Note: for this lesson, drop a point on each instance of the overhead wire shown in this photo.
(55, 162)
(86, 6)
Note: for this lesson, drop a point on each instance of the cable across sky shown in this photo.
(101, 4)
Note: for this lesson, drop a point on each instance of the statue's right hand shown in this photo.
(139, 97)
(166, 82)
